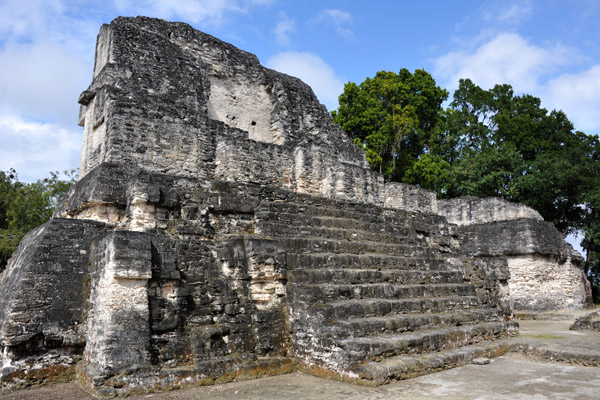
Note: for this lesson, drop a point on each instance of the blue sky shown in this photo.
(550, 49)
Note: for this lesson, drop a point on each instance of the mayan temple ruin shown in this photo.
(223, 227)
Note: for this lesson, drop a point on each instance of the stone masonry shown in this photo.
(224, 228)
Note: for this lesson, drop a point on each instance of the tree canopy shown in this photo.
(24, 206)
(485, 143)
(391, 116)
(509, 146)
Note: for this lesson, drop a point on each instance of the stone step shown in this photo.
(309, 260)
(424, 341)
(357, 211)
(355, 234)
(353, 276)
(345, 309)
(399, 323)
(317, 245)
(405, 367)
(405, 226)
(315, 292)
(336, 210)
(233, 366)
(362, 224)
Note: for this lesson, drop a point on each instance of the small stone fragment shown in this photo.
(481, 361)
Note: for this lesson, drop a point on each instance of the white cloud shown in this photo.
(578, 95)
(311, 69)
(56, 21)
(514, 13)
(285, 26)
(508, 12)
(42, 80)
(507, 58)
(194, 11)
(27, 18)
(34, 149)
(46, 55)
(531, 69)
(338, 19)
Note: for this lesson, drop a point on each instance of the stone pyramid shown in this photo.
(224, 228)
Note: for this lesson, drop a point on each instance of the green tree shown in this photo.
(509, 146)
(591, 225)
(24, 206)
(591, 245)
(392, 117)
(9, 186)
(432, 172)
(491, 171)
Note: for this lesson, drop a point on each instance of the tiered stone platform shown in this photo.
(384, 286)
(224, 228)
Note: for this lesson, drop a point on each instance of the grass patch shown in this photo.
(545, 336)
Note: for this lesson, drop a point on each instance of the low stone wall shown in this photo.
(543, 283)
(588, 322)
(545, 271)
(410, 198)
(470, 210)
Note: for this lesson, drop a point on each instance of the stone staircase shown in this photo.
(376, 294)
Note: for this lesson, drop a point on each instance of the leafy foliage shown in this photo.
(390, 116)
(24, 206)
(511, 147)
(591, 227)
(430, 171)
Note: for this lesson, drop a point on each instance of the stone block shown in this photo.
(118, 332)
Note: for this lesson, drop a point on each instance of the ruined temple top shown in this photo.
(152, 75)
(195, 75)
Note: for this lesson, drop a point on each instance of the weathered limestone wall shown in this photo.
(471, 210)
(544, 271)
(541, 283)
(118, 332)
(191, 296)
(411, 198)
(42, 323)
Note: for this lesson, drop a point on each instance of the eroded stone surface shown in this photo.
(42, 320)
(411, 198)
(544, 272)
(224, 228)
(221, 109)
(471, 210)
